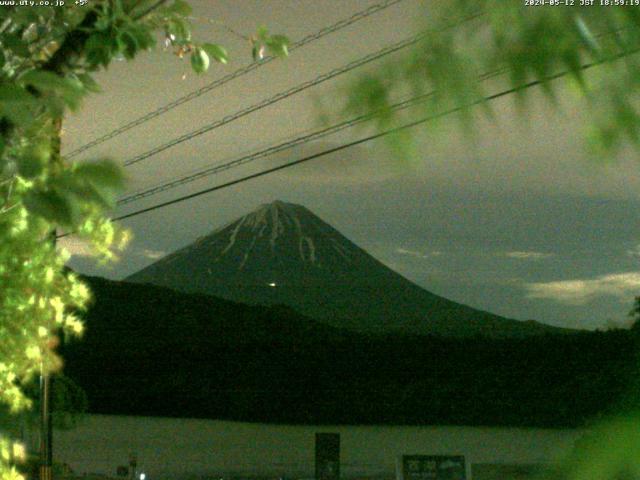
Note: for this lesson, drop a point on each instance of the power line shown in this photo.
(334, 149)
(261, 154)
(277, 97)
(371, 137)
(415, 123)
(232, 76)
(315, 135)
(294, 90)
(280, 167)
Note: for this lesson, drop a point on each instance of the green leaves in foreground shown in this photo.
(115, 34)
(608, 452)
(52, 205)
(217, 52)
(47, 57)
(200, 57)
(59, 92)
(65, 199)
(199, 60)
(585, 59)
(263, 44)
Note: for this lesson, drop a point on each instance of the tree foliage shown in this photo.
(47, 60)
(271, 364)
(518, 46)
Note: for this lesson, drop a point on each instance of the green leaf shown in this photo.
(30, 167)
(50, 205)
(199, 60)
(98, 49)
(572, 61)
(102, 172)
(17, 104)
(262, 33)
(180, 7)
(142, 35)
(586, 35)
(14, 43)
(89, 83)
(32, 163)
(73, 16)
(129, 44)
(97, 182)
(278, 45)
(217, 52)
(69, 90)
(259, 50)
(609, 452)
(30, 34)
(25, 16)
(180, 30)
(85, 192)
(14, 93)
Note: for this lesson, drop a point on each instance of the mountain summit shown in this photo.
(282, 253)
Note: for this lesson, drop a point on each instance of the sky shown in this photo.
(519, 220)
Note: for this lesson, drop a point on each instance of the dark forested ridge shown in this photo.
(153, 351)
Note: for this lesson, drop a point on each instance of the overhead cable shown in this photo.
(294, 90)
(233, 75)
(384, 133)
(276, 98)
(302, 139)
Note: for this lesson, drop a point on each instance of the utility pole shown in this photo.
(133, 463)
(46, 432)
(46, 381)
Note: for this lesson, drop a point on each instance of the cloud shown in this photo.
(526, 255)
(634, 252)
(579, 292)
(75, 246)
(81, 249)
(414, 253)
(153, 254)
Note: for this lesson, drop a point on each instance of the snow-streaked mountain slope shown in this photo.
(282, 253)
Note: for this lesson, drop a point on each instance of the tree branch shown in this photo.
(153, 7)
(222, 25)
(72, 45)
(74, 41)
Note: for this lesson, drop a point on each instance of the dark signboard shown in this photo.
(433, 467)
(327, 456)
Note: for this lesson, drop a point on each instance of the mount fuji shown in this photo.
(282, 253)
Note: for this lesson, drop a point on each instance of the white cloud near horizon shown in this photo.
(528, 255)
(75, 246)
(415, 253)
(634, 252)
(80, 248)
(153, 254)
(580, 291)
